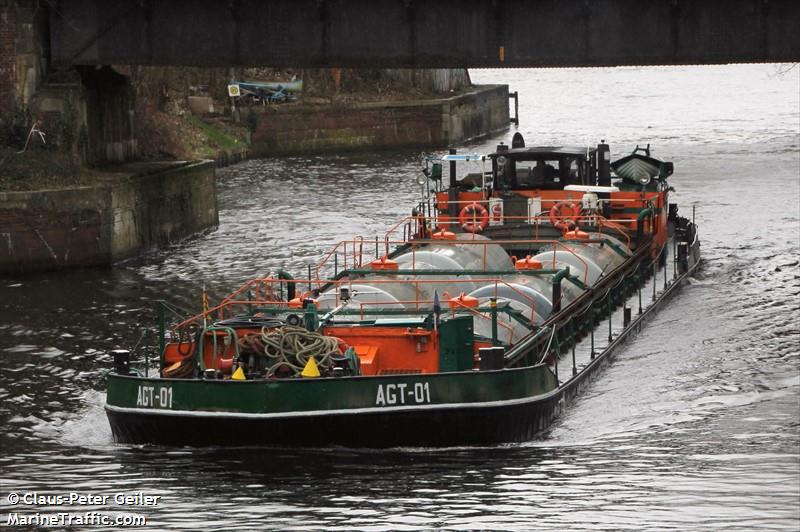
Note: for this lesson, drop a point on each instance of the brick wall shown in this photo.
(8, 37)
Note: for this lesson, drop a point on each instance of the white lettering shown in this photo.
(145, 396)
(380, 400)
(402, 392)
(390, 394)
(419, 392)
(149, 397)
(86, 498)
(136, 499)
(36, 498)
(396, 393)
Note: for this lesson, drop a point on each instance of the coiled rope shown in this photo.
(289, 348)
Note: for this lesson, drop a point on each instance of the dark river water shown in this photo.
(694, 426)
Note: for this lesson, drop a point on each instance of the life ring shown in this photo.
(564, 216)
(473, 218)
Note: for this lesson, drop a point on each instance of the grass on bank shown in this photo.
(168, 137)
(37, 169)
(216, 139)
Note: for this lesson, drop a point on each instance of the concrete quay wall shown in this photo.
(283, 130)
(100, 225)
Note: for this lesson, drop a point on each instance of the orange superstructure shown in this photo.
(546, 192)
(384, 350)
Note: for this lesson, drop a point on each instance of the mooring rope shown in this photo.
(291, 347)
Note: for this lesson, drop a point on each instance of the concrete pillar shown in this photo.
(110, 116)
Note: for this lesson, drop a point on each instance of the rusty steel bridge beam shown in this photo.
(421, 34)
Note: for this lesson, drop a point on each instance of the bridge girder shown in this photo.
(423, 34)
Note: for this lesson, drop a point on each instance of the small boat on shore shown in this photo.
(266, 91)
(470, 322)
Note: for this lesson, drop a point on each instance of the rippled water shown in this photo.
(693, 427)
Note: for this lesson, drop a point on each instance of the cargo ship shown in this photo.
(472, 321)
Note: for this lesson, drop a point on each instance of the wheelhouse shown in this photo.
(545, 168)
(546, 191)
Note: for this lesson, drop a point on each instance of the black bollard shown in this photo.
(122, 361)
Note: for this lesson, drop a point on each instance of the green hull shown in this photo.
(464, 408)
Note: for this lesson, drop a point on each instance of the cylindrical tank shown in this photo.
(364, 294)
(509, 330)
(402, 291)
(437, 256)
(474, 255)
(447, 285)
(530, 294)
(614, 240)
(580, 265)
(535, 291)
(603, 256)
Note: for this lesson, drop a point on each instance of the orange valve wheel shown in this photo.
(473, 218)
(564, 215)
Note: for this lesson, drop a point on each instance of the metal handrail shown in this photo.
(357, 244)
(228, 302)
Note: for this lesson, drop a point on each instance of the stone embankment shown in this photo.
(435, 122)
(154, 205)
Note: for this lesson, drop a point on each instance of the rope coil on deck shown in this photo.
(289, 348)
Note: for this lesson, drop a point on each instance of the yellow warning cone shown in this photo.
(238, 375)
(311, 369)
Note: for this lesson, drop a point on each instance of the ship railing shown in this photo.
(619, 225)
(413, 227)
(352, 256)
(349, 254)
(254, 290)
(437, 211)
(557, 245)
(446, 297)
(260, 292)
(454, 309)
(503, 307)
(421, 226)
(271, 288)
(423, 306)
(317, 276)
